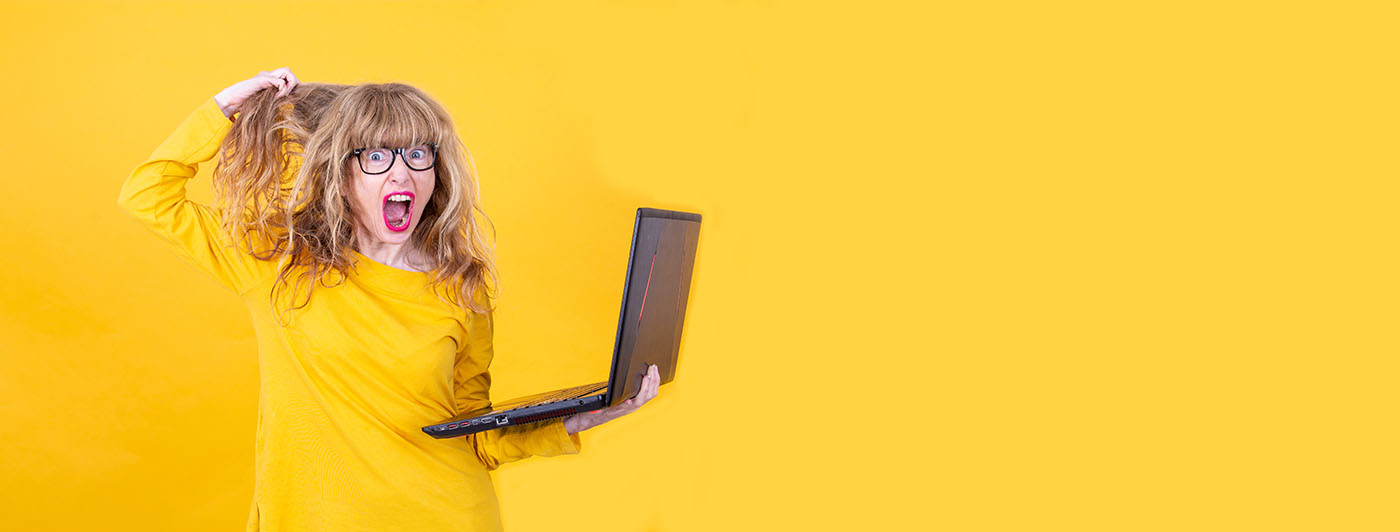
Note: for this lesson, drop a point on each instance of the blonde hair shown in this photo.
(307, 224)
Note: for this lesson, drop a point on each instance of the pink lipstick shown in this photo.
(398, 210)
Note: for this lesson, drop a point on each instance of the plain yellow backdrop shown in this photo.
(1017, 266)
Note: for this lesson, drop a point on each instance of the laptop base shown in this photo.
(529, 409)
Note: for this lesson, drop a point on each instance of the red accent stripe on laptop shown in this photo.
(645, 290)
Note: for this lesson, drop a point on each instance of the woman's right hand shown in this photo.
(230, 100)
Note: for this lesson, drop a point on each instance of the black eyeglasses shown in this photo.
(379, 160)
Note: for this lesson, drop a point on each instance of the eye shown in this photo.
(376, 156)
(417, 153)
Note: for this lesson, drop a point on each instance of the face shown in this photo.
(389, 205)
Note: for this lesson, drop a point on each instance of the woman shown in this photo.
(347, 220)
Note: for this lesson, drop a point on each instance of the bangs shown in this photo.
(395, 120)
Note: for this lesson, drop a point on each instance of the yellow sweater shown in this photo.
(346, 387)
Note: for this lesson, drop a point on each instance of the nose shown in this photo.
(398, 169)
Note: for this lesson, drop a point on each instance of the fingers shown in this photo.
(282, 79)
(290, 79)
(267, 79)
(651, 384)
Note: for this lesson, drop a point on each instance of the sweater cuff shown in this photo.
(568, 443)
(210, 111)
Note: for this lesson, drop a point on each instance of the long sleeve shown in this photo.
(471, 384)
(154, 194)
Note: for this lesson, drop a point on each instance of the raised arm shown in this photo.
(154, 193)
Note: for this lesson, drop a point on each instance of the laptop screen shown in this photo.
(654, 299)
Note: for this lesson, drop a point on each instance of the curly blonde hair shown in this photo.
(283, 183)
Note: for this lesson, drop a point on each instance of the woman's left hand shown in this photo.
(587, 420)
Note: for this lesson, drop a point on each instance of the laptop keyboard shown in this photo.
(555, 396)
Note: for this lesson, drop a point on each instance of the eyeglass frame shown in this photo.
(395, 153)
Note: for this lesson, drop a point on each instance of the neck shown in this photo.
(399, 256)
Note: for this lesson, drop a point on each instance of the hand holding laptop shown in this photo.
(587, 420)
(646, 347)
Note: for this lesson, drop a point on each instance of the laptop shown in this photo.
(648, 330)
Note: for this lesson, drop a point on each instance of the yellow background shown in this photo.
(1018, 266)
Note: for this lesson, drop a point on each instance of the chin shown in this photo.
(398, 237)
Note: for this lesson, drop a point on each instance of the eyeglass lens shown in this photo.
(377, 160)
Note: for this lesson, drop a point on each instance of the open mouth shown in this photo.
(398, 210)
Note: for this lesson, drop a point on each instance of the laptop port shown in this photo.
(501, 420)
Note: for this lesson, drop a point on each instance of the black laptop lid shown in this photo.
(653, 299)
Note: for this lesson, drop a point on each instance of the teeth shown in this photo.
(398, 197)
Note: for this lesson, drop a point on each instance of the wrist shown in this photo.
(579, 422)
(222, 101)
